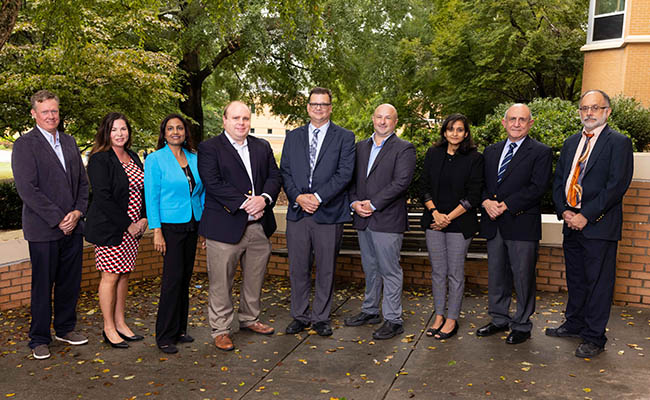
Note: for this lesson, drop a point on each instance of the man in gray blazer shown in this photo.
(51, 181)
(384, 169)
(317, 165)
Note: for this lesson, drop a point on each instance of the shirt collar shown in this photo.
(518, 142)
(382, 142)
(322, 129)
(50, 138)
(596, 131)
(235, 144)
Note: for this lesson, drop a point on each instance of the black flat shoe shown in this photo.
(133, 338)
(185, 338)
(120, 345)
(433, 331)
(446, 335)
(168, 348)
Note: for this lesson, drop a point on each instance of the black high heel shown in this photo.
(442, 335)
(120, 345)
(434, 331)
(133, 338)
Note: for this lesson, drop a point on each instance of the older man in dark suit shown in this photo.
(317, 165)
(384, 169)
(592, 175)
(517, 173)
(242, 183)
(51, 181)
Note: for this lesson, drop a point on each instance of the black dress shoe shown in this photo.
(560, 331)
(388, 330)
(120, 345)
(168, 348)
(516, 337)
(362, 318)
(296, 326)
(588, 350)
(490, 329)
(446, 335)
(133, 338)
(323, 328)
(185, 338)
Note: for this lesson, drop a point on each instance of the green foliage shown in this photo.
(631, 117)
(10, 206)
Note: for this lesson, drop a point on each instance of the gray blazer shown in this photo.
(47, 190)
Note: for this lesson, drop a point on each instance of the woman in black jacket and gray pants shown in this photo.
(452, 180)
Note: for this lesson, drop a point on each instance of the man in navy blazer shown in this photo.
(317, 165)
(51, 181)
(384, 169)
(242, 183)
(591, 177)
(517, 173)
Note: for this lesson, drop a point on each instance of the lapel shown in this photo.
(492, 163)
(231, 150)
(191, 161)
(598, 147)
(329, 138)
(516, 159)
(572, 147)
(437, 166)
(255, 160)
(385, 149)
(50, 151)
(364, 155)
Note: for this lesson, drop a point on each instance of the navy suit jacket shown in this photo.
(526, 179)
(227, 184)
(332, 173)
(386, 184)
(48, 191)
(607, 177)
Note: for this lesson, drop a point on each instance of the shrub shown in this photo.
(10, 206)
(629, 115)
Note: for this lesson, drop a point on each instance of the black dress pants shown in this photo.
(55, 264)
(178, 264)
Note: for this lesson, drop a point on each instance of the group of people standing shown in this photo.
(224, 191)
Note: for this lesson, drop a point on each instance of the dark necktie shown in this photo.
(313, 146)
(505, 162)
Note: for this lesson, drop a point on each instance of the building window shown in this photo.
(607, 17)
(269, 131)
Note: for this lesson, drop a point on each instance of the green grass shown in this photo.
(5, 171)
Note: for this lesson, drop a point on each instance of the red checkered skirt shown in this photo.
(121, 259)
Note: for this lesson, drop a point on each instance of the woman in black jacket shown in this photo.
(115, 221)
(452, 180)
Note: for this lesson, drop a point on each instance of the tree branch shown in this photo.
(231, 48)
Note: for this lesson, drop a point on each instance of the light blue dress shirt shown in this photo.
(55, 143)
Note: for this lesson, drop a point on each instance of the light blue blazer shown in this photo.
(166, 190)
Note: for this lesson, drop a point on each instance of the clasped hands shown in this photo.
(254, 206)
(494, 208)
(575, 221)
(440, 221)
(308, 202)
(136, 229)
(362, 208)
(69, 222)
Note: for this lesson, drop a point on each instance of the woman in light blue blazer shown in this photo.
(174, 197)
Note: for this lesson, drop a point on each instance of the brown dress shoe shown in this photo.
(223, 342)
(258, 327)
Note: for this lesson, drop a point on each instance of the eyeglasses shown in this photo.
(317, 105)
(592, 108)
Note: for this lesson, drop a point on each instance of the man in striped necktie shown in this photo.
(517, 173)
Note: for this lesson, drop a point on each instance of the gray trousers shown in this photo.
(380, 260)
(447, 252)
(308, 240)
(511, 263)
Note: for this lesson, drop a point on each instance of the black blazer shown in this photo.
(467, 183)
(107, 218)
(385, 186)
(48, 191)
(523, 185)
(227, 183)
(332, 173)
(606, 179)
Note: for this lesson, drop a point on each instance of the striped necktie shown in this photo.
(505, 162)
(575, 190)
(313, 146)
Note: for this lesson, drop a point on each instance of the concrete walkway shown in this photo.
(348, 364)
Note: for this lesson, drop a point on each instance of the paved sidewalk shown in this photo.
(348, 364)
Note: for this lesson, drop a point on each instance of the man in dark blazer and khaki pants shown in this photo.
(317, 165)
(384, 169)
(591, 177)
(517, 173)
(51, 181)
(242, 183)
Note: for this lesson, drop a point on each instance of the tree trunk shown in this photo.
(192, 105)
(8, 15)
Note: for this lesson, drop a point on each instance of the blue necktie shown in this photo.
(505, 162)
(313, 146)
